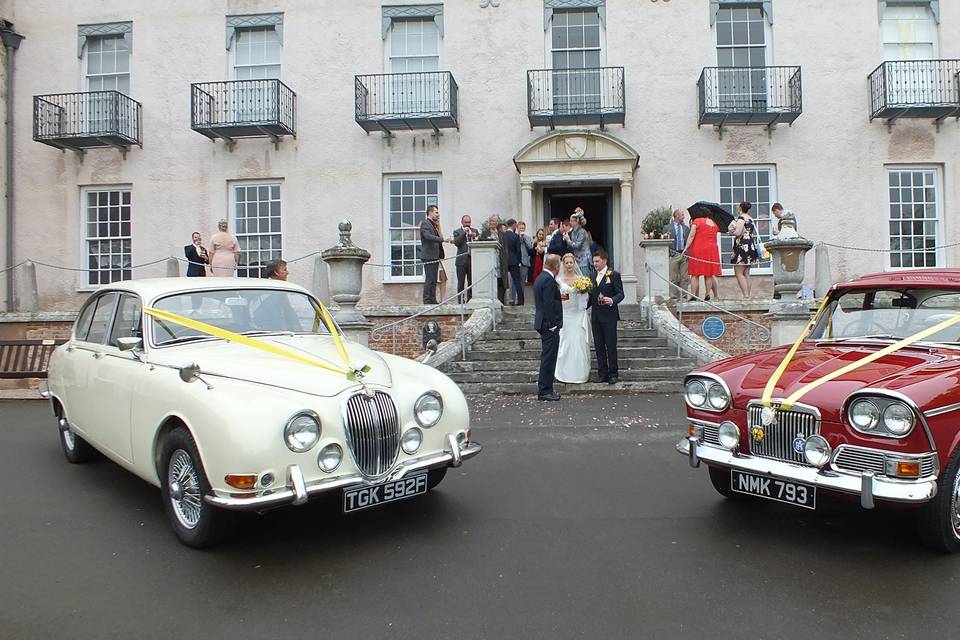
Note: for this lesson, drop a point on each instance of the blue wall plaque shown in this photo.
(713, 328)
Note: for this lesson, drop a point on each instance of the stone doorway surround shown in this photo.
(575, 157)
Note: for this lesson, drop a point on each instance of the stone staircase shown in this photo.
(507, 360)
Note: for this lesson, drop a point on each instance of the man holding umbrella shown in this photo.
(707, 219)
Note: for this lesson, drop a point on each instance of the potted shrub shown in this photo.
(655, 221)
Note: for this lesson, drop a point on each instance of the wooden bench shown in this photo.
(26, 358)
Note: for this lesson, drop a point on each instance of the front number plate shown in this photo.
(801, 495)
(372, 496)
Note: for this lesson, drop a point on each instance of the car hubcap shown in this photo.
(69, 440)
(184, 486)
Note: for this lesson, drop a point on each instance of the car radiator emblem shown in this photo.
(798, 443)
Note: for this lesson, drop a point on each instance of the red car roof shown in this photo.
(916, 278)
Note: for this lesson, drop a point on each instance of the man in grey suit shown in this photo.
(678, 231)
(461, 237)
(431, 250)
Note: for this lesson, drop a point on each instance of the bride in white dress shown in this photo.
(573, 360)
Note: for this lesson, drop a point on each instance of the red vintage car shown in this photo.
(866, 403)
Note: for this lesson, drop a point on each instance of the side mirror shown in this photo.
(129, 343)
(190, 372)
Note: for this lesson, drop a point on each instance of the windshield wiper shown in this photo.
(278, 332)
(183, 339)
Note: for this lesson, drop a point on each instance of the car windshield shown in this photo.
(248, 311)
(889, 314)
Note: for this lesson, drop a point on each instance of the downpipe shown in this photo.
(11, 42)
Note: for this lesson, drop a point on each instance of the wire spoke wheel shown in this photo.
(955, 507)
(69, 439)
(184, 486)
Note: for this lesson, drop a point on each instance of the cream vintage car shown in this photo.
(240, 394)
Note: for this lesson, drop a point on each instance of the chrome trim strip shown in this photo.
(866, 489)
(706, 407)
(44, 389)
(797, 406)
(269, 500)
(890, 489)
(870, 391)
(939, 411)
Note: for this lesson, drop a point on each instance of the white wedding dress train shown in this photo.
(573, 360)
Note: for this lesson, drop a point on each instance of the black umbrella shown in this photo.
(712, 210)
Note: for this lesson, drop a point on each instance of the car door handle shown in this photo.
(97, 355)
(70, 348)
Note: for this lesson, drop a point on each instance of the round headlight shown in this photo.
(864, 415)
(696, 393)
(898, 419)
(411, 439)
(717, 397)
(816, 451)
(330, 457)
(428, 409)
(302, 431)
(728, 435)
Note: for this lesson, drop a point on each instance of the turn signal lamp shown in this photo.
(245, 481)
(908, 468)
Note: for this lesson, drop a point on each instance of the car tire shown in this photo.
(720, 479)
(75, 449)
(183, 485)
(435, 477)
(939, 524)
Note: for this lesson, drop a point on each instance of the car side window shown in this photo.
(101, 318)
(82, 327)
(127, 323)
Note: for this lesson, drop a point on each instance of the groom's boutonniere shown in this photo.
(609, 277)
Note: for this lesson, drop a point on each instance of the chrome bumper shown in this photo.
(297, 492)
(867, 485)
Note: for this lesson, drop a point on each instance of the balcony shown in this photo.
(406, 101)
(915, 89)
(575, 97)
(243, 109)
(749, 96)
(80, 121)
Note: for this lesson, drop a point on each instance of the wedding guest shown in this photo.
(500, 271)
(431, 251)
(461, 237)
(197, 257)
(514, 253)
(226, 252)
(276, 269)
(557, 245)
(677, 230)
(785, 226)
(539, 250)
(526, 252)
(703, 256)
(745, 252)
(578, 240)
(552, 227)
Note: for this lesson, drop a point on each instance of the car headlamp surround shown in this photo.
(428, 409)
(302, 431)
(707, 393)
(883, 416)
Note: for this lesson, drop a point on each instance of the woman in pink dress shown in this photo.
(225, 250)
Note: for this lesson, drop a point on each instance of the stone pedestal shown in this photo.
(173, 268)
(345, 261)
(788, 320)
(656, 256)
(27, 298)
(484, 255)
(823, 279)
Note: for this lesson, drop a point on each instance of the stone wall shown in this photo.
(409, 335)
(736, 337)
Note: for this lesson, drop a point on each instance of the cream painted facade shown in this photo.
(830, 167)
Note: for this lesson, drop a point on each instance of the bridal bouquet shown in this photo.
(583, 284)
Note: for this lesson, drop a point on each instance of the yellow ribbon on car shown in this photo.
(208, 329)
(853, 366)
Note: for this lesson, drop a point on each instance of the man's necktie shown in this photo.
(679, 235)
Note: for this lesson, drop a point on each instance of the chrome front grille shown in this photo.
(373, 432)
(858, 459)
(779, 438)
(711, 434)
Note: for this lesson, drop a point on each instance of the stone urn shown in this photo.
(345, 261)
(788, 258)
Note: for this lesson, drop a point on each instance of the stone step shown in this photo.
(649, 374)
(493, 367)
(533, 353)
(530, 389)
(533, 344)
(531, 334)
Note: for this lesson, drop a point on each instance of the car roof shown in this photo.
(913, 278)
(150, 289)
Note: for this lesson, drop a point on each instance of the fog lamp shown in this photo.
(244, 481)
(266, 480)
(329, 458)
(411, 439)
(728, 435)
(816, 451)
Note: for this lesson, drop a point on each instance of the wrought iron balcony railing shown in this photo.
(87, 120)
(915, 89)
(575, 96)
(749, 95)
(243, 109)
(396, 101)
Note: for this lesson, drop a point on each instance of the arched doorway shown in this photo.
(588, 168)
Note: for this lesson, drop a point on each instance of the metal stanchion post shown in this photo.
(679, 327)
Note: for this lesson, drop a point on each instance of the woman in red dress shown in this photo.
(703, 256)
(539, 249)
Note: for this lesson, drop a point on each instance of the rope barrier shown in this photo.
(12, 267)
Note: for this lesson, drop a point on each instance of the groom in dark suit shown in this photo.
(606, 294)
(547, 321)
